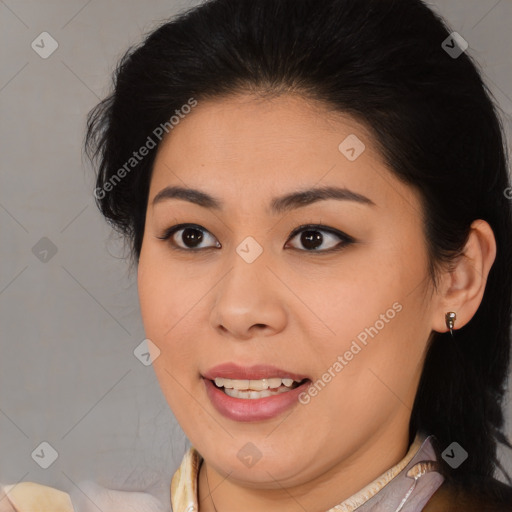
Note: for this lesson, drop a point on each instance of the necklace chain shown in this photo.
(209, 491)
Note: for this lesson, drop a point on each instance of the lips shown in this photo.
(257, 409)
(255, 372)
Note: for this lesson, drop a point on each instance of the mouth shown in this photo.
(254, 393)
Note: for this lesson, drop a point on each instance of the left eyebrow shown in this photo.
(306, 197)
(278, 205)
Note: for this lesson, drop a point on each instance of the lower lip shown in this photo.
(257, 409)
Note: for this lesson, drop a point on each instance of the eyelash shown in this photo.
(345, 239)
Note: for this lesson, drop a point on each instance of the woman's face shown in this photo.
(344, 303)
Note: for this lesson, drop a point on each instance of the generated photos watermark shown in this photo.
(355, 348)
(137, 156)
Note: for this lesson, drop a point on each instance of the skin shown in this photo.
(292, 307)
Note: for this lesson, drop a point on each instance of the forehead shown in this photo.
(249, 148)
(244, 124)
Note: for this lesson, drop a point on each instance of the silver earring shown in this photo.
(450, 321)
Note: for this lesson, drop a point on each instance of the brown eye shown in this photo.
(320, 238)
(191, 237)
(188, 237)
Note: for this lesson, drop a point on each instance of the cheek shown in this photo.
(354, 299)
(164, 307)
(373, 367)
(379, 328)
(164, 296)
(151, 296)
(170, 308)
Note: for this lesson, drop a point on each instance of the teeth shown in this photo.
(236, 393)
(254, 385)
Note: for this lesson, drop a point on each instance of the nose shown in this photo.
(249, 301)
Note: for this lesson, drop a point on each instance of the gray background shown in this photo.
(70, 324)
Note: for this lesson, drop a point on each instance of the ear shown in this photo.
(462, 287)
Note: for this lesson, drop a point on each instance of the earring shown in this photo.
(450, 320)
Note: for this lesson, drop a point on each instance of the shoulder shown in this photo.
(87, 496)
(33, 497)
(488, 495)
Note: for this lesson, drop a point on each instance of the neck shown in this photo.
(332, 487)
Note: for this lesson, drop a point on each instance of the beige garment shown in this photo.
(34, 497)
(185, 481)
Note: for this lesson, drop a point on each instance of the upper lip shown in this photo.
(255, 372)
